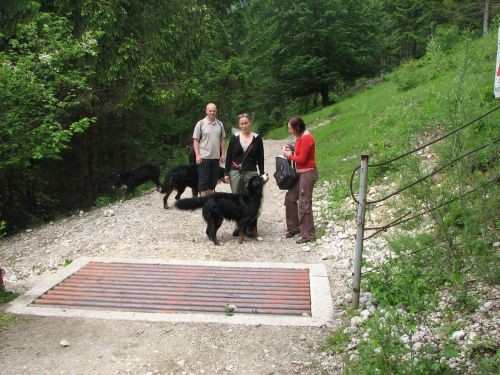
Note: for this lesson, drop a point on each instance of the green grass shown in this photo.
(5, 297)
(384, 121)
(6, 319)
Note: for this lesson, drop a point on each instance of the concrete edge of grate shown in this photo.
(321, 299)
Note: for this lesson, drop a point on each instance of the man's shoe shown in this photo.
(290, 234)
(303, 240)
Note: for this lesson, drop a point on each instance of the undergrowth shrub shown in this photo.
(412, 277)
(408, 76)
(386, 348)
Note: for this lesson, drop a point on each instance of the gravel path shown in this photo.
(140, 228)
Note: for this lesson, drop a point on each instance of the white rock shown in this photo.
(458, 335)
(350, 330)
(488, 305)
(109, 213)
(356, 321)
(365, 313)
(64, 343)
(418, 336)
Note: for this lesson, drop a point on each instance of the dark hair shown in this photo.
(297, 124)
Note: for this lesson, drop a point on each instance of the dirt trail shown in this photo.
(140, 228)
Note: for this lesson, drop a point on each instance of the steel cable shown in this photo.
(418, 149)
(398, 221)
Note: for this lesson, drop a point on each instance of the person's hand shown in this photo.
(286, 151)
(198, 160)
(222, 159)
(226, 179)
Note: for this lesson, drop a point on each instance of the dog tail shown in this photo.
(190, 203)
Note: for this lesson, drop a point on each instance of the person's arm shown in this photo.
(222, 157)
(229, 155)
(196, 148)
(222, 136)
(260, 162)
(196, 142)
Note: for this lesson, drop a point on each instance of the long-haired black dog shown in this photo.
(134, 177)
(242, 208)
(181, 177)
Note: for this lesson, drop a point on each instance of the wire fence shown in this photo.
(363, 202)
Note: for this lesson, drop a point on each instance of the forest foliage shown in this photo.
(88, 88)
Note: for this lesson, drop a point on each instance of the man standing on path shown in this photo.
(208, 145)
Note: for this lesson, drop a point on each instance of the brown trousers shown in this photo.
(299, 217)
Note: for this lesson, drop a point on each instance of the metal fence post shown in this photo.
(360, 229)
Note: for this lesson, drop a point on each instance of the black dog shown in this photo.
(181, 177)
(132, 178)
(242, 208)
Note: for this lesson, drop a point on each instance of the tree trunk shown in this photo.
(325, 98)
(486, 18)
(84, 163)
(315, 100)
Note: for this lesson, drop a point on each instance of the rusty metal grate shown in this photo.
(182, 288)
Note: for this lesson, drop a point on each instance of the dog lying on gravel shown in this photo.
(242, 208)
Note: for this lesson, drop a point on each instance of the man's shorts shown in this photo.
(208, 174)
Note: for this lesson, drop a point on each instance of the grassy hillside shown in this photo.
(455, 255)
(447, 88)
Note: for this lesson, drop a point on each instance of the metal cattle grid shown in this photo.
(182, 288)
